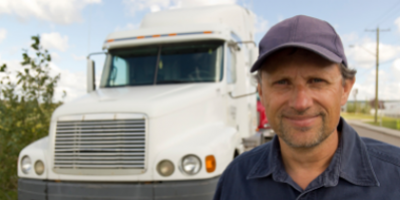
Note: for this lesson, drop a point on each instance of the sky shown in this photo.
(71, 29)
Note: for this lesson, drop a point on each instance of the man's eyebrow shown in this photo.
(278, 78)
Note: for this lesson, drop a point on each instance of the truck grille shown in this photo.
(100, 144)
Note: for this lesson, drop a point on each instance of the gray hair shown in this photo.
(346, 73)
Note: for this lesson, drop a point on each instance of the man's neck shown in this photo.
(305, 164)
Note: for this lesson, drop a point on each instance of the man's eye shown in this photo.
(317, 80)
(282, 82)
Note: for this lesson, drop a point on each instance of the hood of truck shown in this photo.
(152, 100)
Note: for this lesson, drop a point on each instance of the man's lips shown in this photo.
(302, 121)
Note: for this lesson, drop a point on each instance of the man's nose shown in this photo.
(300, 99)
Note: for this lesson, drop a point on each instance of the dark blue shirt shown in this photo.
(361, 169)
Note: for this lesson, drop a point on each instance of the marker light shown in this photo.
(26, 164)
(160, 35)
(39, 167)
(165, 168)
(211, 163)
(191, 164)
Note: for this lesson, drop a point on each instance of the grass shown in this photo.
(359, 116)
(387, 122)
(8, 195)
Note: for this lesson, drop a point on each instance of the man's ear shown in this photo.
(348, 85)
(259, 91)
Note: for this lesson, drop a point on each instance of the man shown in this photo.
(304, 79)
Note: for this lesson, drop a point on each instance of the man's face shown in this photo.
(302, 94)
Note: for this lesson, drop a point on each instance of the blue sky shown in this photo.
(70, 29)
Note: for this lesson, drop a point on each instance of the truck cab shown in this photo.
(175, 102)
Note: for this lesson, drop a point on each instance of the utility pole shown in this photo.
(376, 71)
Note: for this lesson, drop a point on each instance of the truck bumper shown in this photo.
(29, 189)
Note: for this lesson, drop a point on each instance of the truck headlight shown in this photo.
(39, 167)
(191, 164)
(165, 168)
(26, 164)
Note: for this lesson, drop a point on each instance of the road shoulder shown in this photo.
(384, 130)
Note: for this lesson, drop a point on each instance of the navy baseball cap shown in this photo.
(305, 32)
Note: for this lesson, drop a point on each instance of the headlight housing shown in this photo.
(165, 168)
(191, 164)
(39, 167)
(26, 164)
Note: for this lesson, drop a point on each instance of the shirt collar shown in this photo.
(350, 162)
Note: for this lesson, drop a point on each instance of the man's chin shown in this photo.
(302, 137)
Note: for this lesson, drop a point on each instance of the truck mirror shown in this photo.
(90, 78)
(234, 45)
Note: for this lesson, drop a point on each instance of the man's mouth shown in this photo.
(302, 121)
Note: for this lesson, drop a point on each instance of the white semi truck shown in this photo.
(174, 106)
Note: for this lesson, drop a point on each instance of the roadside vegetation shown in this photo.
(26, 105)
(363, 114)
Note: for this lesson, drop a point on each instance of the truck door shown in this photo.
(231, 79)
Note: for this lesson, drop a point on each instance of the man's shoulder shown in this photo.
(382, 151)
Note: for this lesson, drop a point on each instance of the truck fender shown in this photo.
(217, 140)
(35, 151)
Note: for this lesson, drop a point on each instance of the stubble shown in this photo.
(321, 133)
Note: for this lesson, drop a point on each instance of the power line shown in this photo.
(385, 14)
(383, 20)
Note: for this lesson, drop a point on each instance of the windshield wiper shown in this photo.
(173, 81)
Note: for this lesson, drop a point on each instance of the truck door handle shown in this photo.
(240, 96)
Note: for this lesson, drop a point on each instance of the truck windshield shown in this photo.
(164, 64)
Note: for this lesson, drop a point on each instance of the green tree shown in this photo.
(26, 105)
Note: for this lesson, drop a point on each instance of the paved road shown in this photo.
(377, 136)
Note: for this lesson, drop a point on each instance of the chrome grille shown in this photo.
(100, 144)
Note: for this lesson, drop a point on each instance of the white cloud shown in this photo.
(54, 40)
(157, 5)
(3, 34)
(349, 38)
(73, 83)
(58, 11)
(78, 58)
(397, 23)
(336, 26)
(361, 56)
(128, 26)
(261, 25)
(54, 56)
(396, 70)
(280, 18)
(396, 64)
(192, 3)
(12, 67)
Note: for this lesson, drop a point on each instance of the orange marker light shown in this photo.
(172, 34)
(207, 32)
(156, 35)
(140, 37)
(110, 40)
(211, 163)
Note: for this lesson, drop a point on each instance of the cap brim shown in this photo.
(312, 47)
